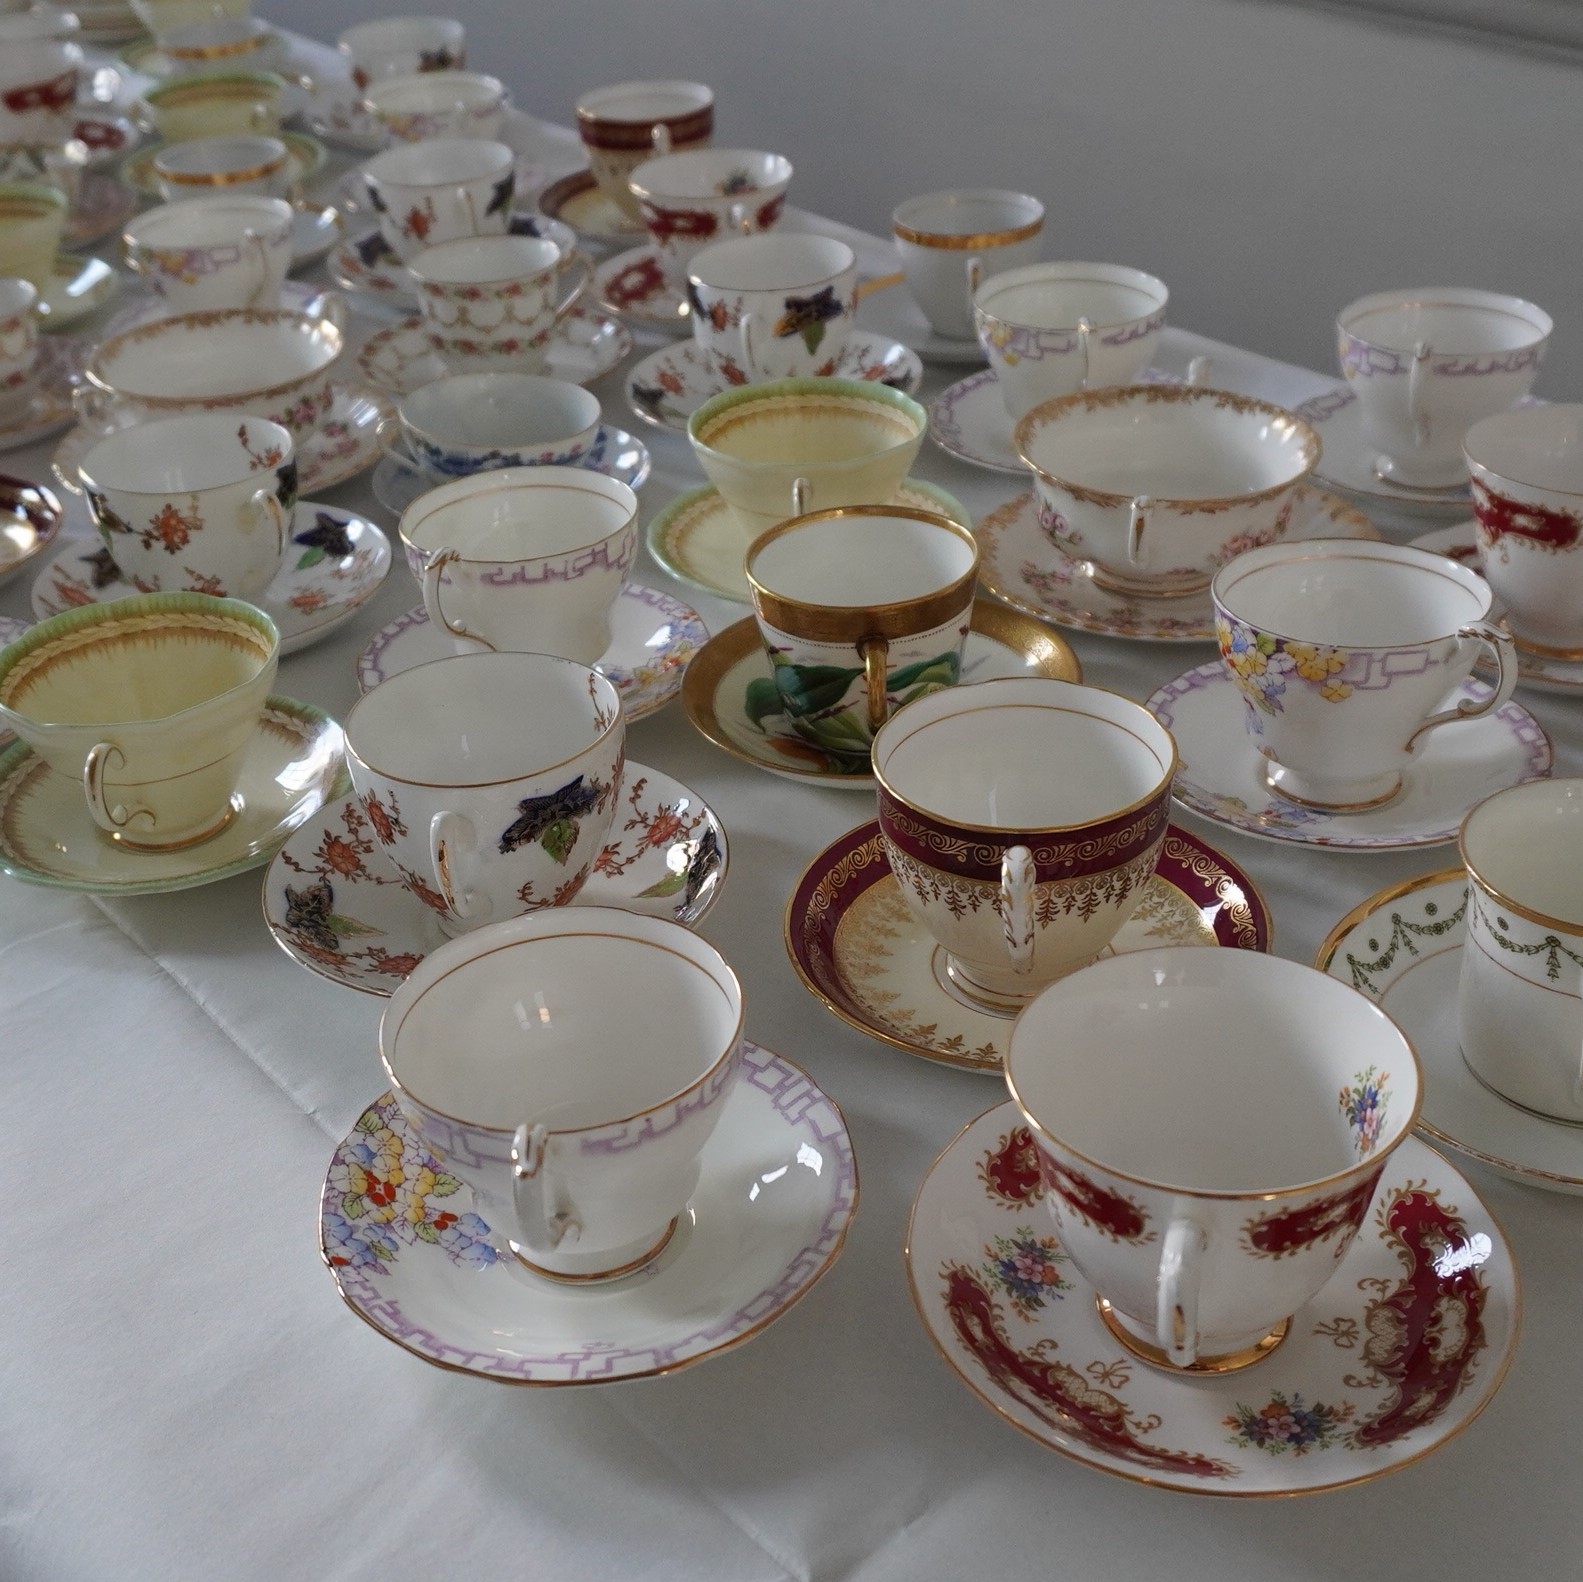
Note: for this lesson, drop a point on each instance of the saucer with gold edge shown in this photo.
(579, 201)
(30, 518)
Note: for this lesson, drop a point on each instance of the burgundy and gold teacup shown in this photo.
(629, 122)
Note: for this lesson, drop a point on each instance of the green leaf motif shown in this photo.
(808, 689)
(354, 1205)
(426, 1232)
(762, 701)
(310, 557)
(813, 335)
(559, 839)
(669, 885)
(349, 927)
(444, 1186)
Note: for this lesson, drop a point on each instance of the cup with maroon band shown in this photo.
(38, 90)
(690, 200)
(629, 122)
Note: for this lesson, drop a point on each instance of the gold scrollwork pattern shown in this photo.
(1065, 852)
(1234, 904)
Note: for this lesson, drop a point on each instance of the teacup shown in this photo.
(773, 307)
(161, 16)
(1348, 654)
(526, 558)
(46, 164)
(150, 703)
(213, 104)
(1023, 819)
(949, 241)
(439, 104)
(467, 423)
(577, 1132)
(1154, 487)
(1521, 991)
(691, 199)
(32, 221)
(210, 253)
(223, 44)
(1051, 329)
(18, 336)
(629, 122)
(1527, 471)
(1204, 1221)
(38, 90)
(397, 46)
(861, 611)
(1427, 365)
(201, 504)
(225, 167)
(440, 189)
(798, 445)
(492, 302)
(489, 780)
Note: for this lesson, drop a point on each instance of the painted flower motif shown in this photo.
(418, 222)
(171, 529)
(1026, 1268)
(309, 600)
(339, 854)
(387, 822)
(807, 317)
(1316, 663)
(1283, 1425)
(552, 820)
(328, 537)
(736, 183)
(1364, 1104)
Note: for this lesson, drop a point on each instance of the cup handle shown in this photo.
(1137, 521)
(660, 138)
(973, 268)
(264, 504)
(585, 272)
(449, 835)
(802, 496)
(741, 218)
(110, 817)
(1017, 879)
(329, 306)
(1500, 644)
(261, 259)
(387, 435)
(1085, 329)
(875, 654)
(437, 563)
(1176, 1310)
(95, 408)
(1417, 374)
(545, 1215)
(131, 258)
(262, 119)
(749, 319)
(1199, 370)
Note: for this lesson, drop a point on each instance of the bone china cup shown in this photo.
(526, 558)
(396, 46)
(1521, 993)
(440, 189)
(689, 200)
(38, 90)
(1527, 471)
(213, 104)
(950, 241)
(1022, 819)
(225, 167)
(773, 307)
(569, 1067)
(489, 780)
(18, 336)
(150, 704)
(32, 220)
(1347, 655)
(1050, 329)
(439, 104)
(1427, 365)
(223, 44)
(1210, 1127)
(1154, 488)
(208, 253)
(197, 503)
(797, 445)
(629, 122)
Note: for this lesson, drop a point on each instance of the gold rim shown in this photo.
(1529, 913)
(1157, 1357)
(946, 242)
(222, 178)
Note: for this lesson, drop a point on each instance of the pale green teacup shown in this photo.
(214, 104)
(32, 218)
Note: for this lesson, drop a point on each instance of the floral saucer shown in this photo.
(103, 205)
(635, 285)
(344, 444)
(1403, 949)
(416, 1262)
(296, 296)
(578, 200)
(614, 452)
(308, 155)
(107, 136)
(581, 347)
(43, 405)
(1221, 773)
(669, 385)
(48, 837)
(858, 946)
(77, 286)
(729, 695)
(653, 640)
(336, 909)
(30, 518)
(700, 542)
(1394, 1357)
(336, 564)
(1021, 567)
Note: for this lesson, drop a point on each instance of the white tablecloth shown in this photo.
(182, 1394)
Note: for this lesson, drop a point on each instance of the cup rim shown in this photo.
(203, 79)
(701, 258)
(145, 434)
(864, 389)
(460, 245)
(536, 382)
(1464, 297)
(1036, 274)
(1491, 427)
(456, 79)
(779, 164)
(279, 210)
(953, 241)
(1529, 913)
(400, 154)
(588, 115)
(362, 32)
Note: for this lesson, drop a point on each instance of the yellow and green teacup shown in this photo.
(214, 104)
(32, 218)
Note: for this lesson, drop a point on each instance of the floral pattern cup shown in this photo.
(39, 79)
(692, 199)
(439, 104)
(230, 252)
(18, 337)
(397, 46)
(440, 189)
(629, 122)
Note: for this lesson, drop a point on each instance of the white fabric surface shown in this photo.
(182, 1394)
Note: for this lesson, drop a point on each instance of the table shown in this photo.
(182, 1394)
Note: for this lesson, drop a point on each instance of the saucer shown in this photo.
(77, 286)
(1542, 672)
(47, 835)
(108, 136)
(580, 348)
(653, 639)
(343, 445)
(634, 284)
(10, 630)
(776, 1193)
(1021, 567)
(308, 154)
(335, 566)
(669, 385)
(578, 200)
(897, 314)
(858, 946)
(1394, 1357)
(43, 406)
(336, 909)
(1221, 777)
(103, 205)
(732, 665)
(315, 229)
(30, 518)
(698, 540)
(296, 296)
(614, 452)
(342, 120)
(1403, 949)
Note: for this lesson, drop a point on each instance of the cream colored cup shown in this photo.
(223, 44)
(46, 164)
(396, 46)
(32, 220)
(161, 16)
(213, 104)
(208, 253)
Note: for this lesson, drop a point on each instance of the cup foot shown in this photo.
(1574, 1121)
(1389, 471)
(187, 842)
(598, 1276)
(950, 974)
(1143, 587)
(1353, 796)
(1224, 1362)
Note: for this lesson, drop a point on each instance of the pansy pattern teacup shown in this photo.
(440, 189)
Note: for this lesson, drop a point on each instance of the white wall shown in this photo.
(1270, 163)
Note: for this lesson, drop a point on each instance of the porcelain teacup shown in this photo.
(489, 780)
(210, 253)
(861, 611)
(773, 307)
(1348, 654)
(150, 703)
(223, 44)
(950, 241)
(1153, 488)
(798, 445)
(1527, 472)
(427, 104)
(202, 504)
(577, 1130)
(18, 337)
(1023, 819)
(1427, 365)
(32, 220)
(691, 199)
(213, 104)
(162, 16)
(440, 189)
(397, 46)
(38, 90)
(526, 558)
(1210, 1128)
(629, 122)
(468, 423)
(1051, 329)
(225, 167)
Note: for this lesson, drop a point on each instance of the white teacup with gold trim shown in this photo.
(223, 43)
(227, 167)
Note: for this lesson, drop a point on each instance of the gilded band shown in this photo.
(966, 244)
